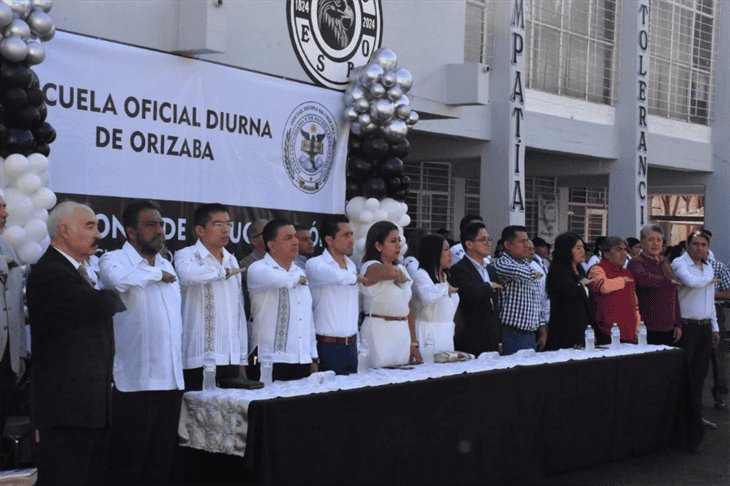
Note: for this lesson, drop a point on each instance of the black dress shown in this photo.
(570, 307)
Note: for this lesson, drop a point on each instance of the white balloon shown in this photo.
(360, 245)
(15, 165)
(392, 207)
(380, 215)
(372, 204)
(38, 163)
(354, 207)
(4, 179)
(19, 206)
(44, 178)
(44, 198)
(405, 220)
(41, 214)
(15, 235)
(403, 249)
(404, 206)
(29, 183)
(366, 216)
(30, 252)
(36, 230)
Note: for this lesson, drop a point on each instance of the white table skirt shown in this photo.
(217, 421)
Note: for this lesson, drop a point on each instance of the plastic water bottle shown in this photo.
(615, 336)
(590, 339)
(267, 369)
(642, 334)
(363, 357)
(429, 349)
(209, 371)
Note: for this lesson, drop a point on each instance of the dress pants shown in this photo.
(660, 337)
(697, 344)
(514, 340)
(71, 455)
(143, 436)
(289, 371)
(340, 358)
(194, 376)
(719, 357)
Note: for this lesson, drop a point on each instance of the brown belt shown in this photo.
(387, 318)
(336, 340)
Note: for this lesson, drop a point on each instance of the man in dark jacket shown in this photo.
(477, 328)
(73, 351)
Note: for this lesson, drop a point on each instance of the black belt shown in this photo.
(520, 331)
(697, 322)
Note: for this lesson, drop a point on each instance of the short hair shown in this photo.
(469, 232)
(272, 229)
(414, 241)
(256, 228)
(62, 211)
(610, 242)
(130, 216)
(563, 251)
(378, 232)
(649, 228)
(429, 255)
(701, 234)
(203, 213)
(331, 226)
(597, 245)
(539, 242)
(510, 232)
(631, 241)
(468, 219)
(301, 227)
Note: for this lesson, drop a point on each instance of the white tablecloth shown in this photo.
(217, 421)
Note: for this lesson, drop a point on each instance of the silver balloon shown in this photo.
(364, 119)
(377, 90)
(402, 111)
(348, 90)
(362, 106)
(389, 79)
(36, 52)
(49, 35)
(413, 118)
(18, 28)
(381, 111)
(357, 93)
(21, 8)
(350, 114)
(40, 23)
(403, 100)
(385, 57)
(395, 93)
(347, 98)
(368, 129)
(6, 15)
(356, 128)
(371, 74)
(404, 79)
(44, 5)
(395, 131)
(13, 49)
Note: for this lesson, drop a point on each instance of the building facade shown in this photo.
(595, 116)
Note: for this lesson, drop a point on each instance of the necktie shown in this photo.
(84, 271)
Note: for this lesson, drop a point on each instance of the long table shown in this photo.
(500, 426)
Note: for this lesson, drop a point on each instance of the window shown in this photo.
(588, 212)
(572, 48)
(479, 33)
(540, 207)
(429, 199)
(681, 59)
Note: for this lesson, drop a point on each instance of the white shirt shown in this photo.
(148, 335)
(697, 293)
(482, 269)
(457, 253)
(213, 315)
(432, 302)
(591, 261)
(334, 294)
(542, 281)
(12, 318)
(282, 312)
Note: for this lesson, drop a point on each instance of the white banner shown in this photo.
(136, 123)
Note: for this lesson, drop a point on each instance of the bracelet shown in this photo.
(414, 344)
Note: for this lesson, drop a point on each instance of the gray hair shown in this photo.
(650, 228)
(610, 242)
(61, 212)
(256, 228)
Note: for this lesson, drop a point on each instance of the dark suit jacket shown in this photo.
(478, 324)
(570, 308)
(72, 345)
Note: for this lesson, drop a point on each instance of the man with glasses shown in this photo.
(477, 326)
(520, 301)
(213, 314)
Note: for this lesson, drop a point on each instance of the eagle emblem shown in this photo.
(336, 22)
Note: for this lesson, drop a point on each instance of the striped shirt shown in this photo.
(520, 300)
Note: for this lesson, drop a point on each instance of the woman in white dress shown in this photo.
(389, 326)
(435, 300)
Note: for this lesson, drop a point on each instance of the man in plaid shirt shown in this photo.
(520, 300)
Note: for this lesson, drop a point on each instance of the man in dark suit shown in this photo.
(73, 351)
(477, 322)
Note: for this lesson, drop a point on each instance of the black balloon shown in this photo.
(375, 147)
(358, 168)
(44, 149)
(399, 194)
(352, 189)
(28, 117)
(17, 141)
(406, 181)
(400, 149)
(394, 183)
(14, 98)
(14, 75)
(374, 187)
(354, 144)
(35, 96)
(43, 110)
(390, 168)
(45, 133)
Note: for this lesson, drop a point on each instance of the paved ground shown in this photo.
(710, 466)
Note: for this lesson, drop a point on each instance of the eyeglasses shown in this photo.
(222, 224)
(483, 239)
